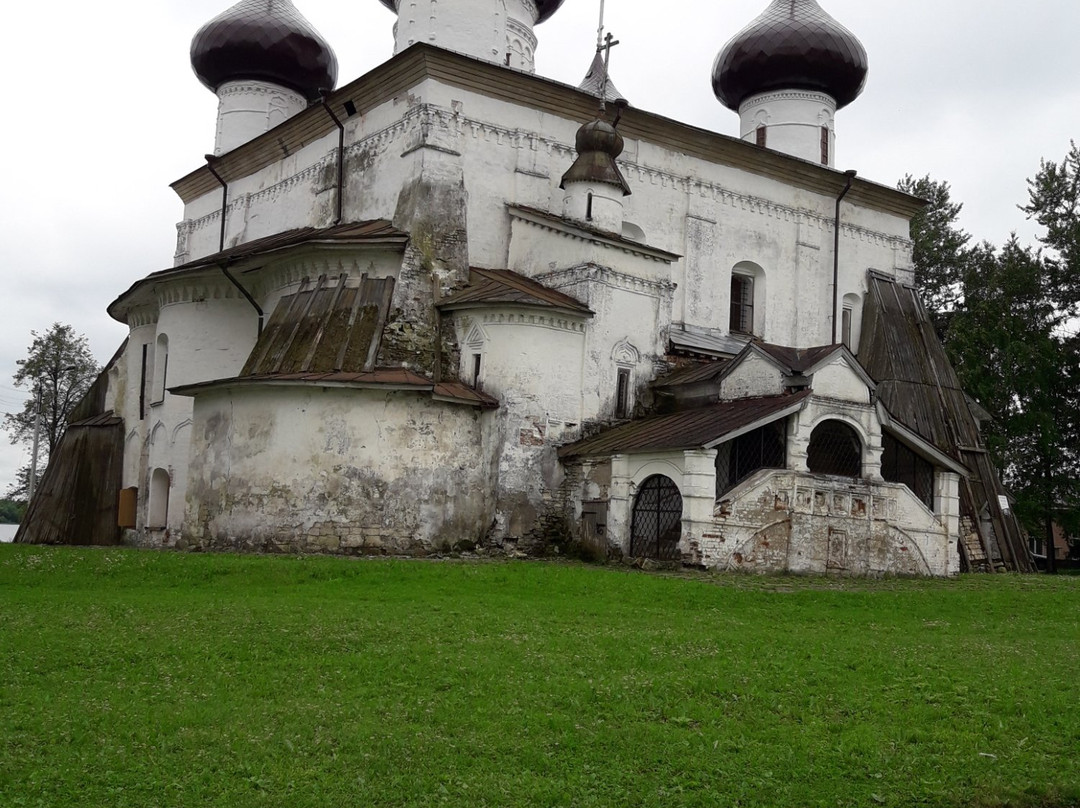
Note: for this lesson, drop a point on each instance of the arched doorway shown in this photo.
(834, 449)
(657, 525)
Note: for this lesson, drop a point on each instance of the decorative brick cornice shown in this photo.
(595, 273)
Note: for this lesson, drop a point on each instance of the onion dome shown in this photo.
(544, 8)
(793, 45)
(598, 144)
(264, 40)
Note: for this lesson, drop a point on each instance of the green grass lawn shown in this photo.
(133, 678)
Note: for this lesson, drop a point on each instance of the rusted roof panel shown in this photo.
(705, 344)
(390, 378)
(372, 231)
(544, 218)
(798, 360)
(457, 391)
(692, 374)
(327, 327)
(691, 429)
(506, 286)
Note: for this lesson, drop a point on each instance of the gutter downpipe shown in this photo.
(850, 175)
(224, 267)
(340, 155)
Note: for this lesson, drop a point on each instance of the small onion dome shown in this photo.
(793, 45)
(264, 40)
(598, 144)
(544, 8)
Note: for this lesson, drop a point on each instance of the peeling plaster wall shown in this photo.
(717, 216)
(784, 521)
(296, 468)
(532, 361)
(754, 376)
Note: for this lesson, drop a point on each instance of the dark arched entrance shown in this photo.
(657, 524)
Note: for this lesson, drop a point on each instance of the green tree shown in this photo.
(939, 248)
(59, 369)
(1054, 202)
(1007, 344)
(11, 512)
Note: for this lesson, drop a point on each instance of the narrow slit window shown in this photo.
(845, 327)
(762, 136)
(622, 393)
(824, 145)
(476, 371)
(142, 381)
(742, 304)
(588, 207)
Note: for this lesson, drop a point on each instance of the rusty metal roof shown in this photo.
(692, 429)
(798, 360)
(326, 326)
(563, 223)
(506, 286)
(692, 374)
(372, 232)
(389, 378)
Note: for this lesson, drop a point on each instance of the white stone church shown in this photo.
(453, 304)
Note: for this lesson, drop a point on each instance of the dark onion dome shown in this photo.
(598, 144)
(544, 8)
(264, 40)
(793, 45)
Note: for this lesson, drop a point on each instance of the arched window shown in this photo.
(161, 368)
(657, 525)
(835, 448)
(158, 514)
(850, 321)
(747, 314)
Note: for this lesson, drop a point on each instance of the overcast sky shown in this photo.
(104, 112)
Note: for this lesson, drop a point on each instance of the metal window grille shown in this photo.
(657, 521)
(835, 449)
(742, 304)
(764, 448)
(899, 464)
(824, 145)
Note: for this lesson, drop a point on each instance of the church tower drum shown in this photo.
(265, 62)
(498, 31)
(786, 74)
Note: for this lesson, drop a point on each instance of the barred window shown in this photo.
(763, 448)
(835, 448)
(742, 304)
(899, 464)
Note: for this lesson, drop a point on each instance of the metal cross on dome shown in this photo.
(604, 43)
